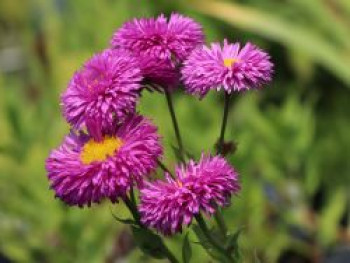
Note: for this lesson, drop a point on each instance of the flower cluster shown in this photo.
(111, 148)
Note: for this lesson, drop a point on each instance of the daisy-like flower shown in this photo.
(160, 44)
(87, 168)
(229, 67)
(105, 90)
(203, 186)
(160, 72)
(159, 38)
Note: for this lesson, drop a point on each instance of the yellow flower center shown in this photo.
(228, 62)
(100, 151)
(179, 183)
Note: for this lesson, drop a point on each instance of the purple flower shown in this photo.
(159, 38)
(105, 90)
(228, 67)
(160, 45)
(160, 72)
(103, 164)
(201, 186)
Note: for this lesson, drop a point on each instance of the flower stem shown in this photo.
(170, 255)
(164, 168)
(133, 210)
(220, 148)
(131, 205)
(175, 124)
(220, 145)
(220, 222)
(202, 224)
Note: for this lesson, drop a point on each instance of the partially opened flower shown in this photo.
(87, 168)
(159, 38)
(105, 90)
(203, 186)
(230, 67)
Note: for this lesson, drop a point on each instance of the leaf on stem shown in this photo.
(150, 244)
(126, 221)
(232, 243)
(186, 250)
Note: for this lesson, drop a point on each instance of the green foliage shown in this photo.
(292, 138)
(150, 243)
(186, 250)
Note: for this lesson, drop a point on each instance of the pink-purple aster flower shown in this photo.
(105, 90)
(160, 72)
(230, 67)
(202, 186)
(159, 38)
(160, 45)
(87, 168)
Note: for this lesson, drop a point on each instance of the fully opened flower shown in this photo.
(160, 45)
(103, 164)
(203, 186)
(171, 39)
(105, 90)
(230, 67)
(160, 72)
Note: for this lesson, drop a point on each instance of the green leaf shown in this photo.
(127, 221)
(149, 243)
(289, 33)
(202, 238)
(203, 241)
(186, 250)
(232, 243)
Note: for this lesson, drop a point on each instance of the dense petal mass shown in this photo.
(160, 72)
(229, 67)
(160, 44)
(106, 89)
(159, 38)
(202, 186)
(87, 168)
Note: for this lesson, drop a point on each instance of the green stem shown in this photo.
(220, 147)
(223, 124)
(131, 205)
(133, 210)
(212, 240)
(170, 255)
(221, 222)
(175, 124)
(164, 168)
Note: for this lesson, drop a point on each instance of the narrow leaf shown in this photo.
(150, 243)
(186, 250)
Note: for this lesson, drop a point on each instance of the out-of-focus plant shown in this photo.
(317, 30)
(52, 47)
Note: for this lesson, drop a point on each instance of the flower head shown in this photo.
(202, 186)
(229, 67)
(105, 90)
(87, 168)
(159, 38)
(160, 72)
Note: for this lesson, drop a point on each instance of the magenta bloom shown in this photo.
(159, 38)
(105, 90)
(160, 72)
(228, 67)
(87, 168)
(202, 186)
(160, 45)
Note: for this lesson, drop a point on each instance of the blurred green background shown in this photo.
(292, 138)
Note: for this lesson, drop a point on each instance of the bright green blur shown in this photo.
(292, 137)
